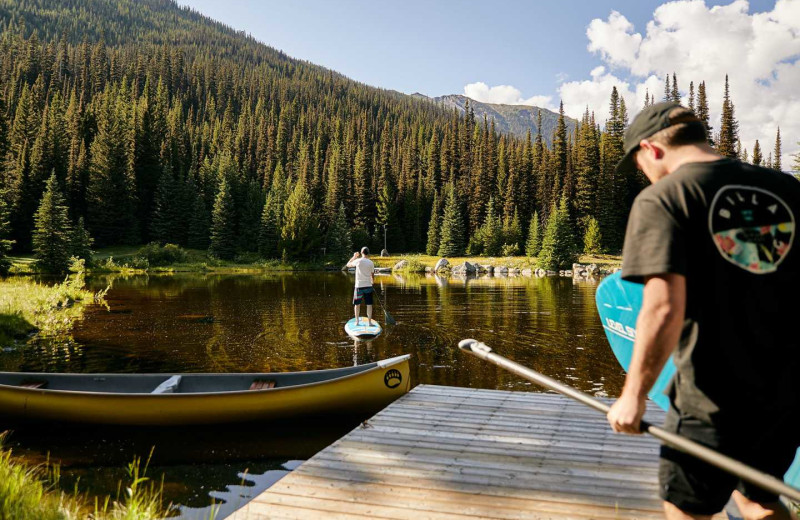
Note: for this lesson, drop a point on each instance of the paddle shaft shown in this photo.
(704, 453)
(386, 315)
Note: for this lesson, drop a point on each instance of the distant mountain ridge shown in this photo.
(509, 119)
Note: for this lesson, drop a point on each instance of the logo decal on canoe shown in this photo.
(752, 228)
(392, 378)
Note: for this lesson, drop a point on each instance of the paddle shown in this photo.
(388, 317)
(708, 455)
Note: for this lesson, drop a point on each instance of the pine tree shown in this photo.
(757, 157)
(452, 233)
(667, 90)
(5, 243)
(729, 128)
(691, 96)
(198, 224)
(250, 223)
(702, 111)
(339, 243)
(776, 164)
(269, 236)
(534, 243)
(81, 242)
(165, 210)
(796, 165)
(223, 223)
(300, 230)
(489, 237)
(512, 235)
(675, 95)
(558, 245)
(52, 233)
(432, 246)
(592, 239)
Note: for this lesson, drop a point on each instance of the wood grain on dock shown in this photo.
(446, 453)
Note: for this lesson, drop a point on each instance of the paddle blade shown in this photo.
(388, 317)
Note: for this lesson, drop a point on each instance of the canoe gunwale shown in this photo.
(376, 365)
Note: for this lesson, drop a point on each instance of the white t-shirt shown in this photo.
(364, 269)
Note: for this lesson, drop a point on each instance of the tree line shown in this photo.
(176, 129)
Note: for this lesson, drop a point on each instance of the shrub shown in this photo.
(157, 255)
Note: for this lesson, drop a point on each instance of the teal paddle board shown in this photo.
(619, 303)
(366, 328)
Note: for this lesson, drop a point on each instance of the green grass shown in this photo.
(520, 262)
(30, 493)
(27, 306)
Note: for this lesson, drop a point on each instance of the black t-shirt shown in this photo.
(729, 228)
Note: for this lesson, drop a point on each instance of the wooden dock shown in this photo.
(446, 453)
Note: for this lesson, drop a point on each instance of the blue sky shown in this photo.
(540, 52)
(436, 46)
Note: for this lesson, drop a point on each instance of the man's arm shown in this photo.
(658, 330)
(352, 261)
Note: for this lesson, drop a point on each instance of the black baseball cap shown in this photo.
(649, 121)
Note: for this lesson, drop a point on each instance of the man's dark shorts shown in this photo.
(769, 444)
(364, 293)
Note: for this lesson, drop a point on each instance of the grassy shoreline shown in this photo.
(146, 259)
(519, 262)
(31, 493)
(28, 307)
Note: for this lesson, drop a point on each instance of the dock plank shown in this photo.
(447, 453)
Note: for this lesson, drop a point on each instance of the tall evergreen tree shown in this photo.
(199, 225)
(691, 96)
(729, 127)
(776, 164)
(53, 232)
(592, 240)
(338, 242)
(534, 243)
(558, 245)
(757, 156)
(702, 111)
(5, 243)
(675, 94)
(434, 226)
(81, 242)
(223, 223)
(452, 233)
(300, 230)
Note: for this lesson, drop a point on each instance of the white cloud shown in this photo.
(504, 95)
(759, 52)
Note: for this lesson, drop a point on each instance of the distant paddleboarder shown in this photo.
(365, 270)
(711, 240)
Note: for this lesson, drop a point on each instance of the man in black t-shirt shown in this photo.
(712, 241)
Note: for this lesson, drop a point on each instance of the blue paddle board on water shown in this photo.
(364, 330)
(619, 303)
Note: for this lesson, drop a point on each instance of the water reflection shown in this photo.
(282, 322)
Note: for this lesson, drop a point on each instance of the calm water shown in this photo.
(282, 322)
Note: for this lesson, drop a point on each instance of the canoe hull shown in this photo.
(357, 394)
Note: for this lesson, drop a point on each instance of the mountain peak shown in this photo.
(512, 119)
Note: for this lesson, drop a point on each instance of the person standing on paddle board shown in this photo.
(711, 240)
(365, 271)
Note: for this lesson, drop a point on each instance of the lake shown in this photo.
(290, 322)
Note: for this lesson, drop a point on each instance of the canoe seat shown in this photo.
(30, 383)
(169, 386)
(262, 384)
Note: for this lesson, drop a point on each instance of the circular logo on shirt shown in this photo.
(751, 227)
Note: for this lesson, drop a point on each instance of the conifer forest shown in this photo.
(137, 121)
